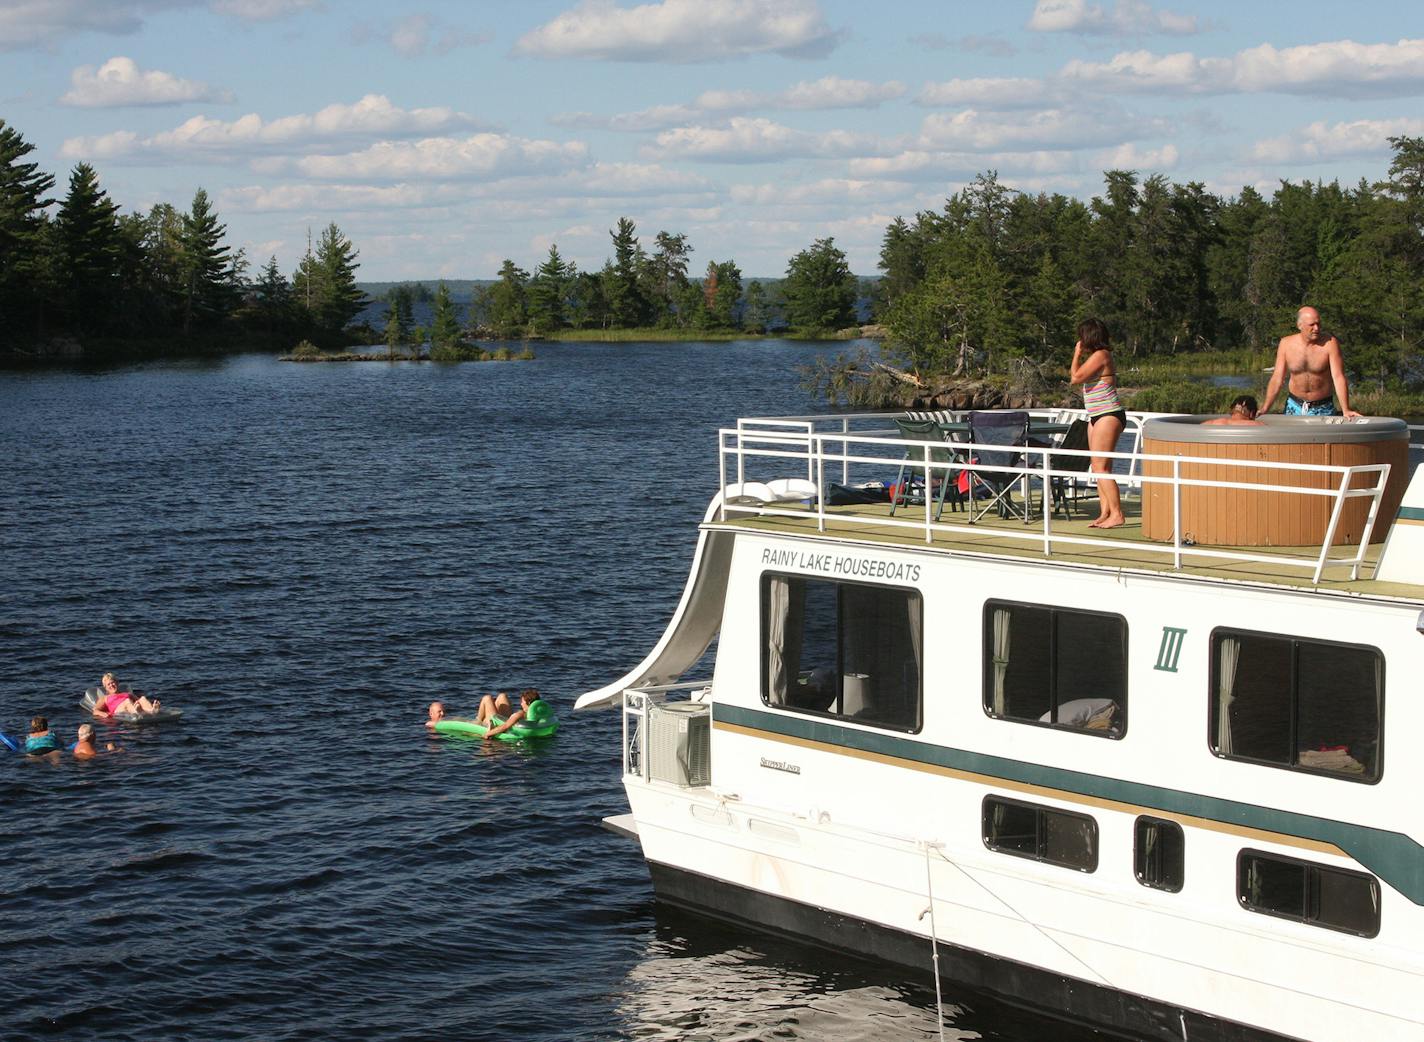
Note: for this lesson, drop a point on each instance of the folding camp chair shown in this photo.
(1066, 489)
(1009, 430)
(914, 463)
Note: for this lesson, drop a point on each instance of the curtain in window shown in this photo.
(915, 615)
(1002, 618)
(778, 606)
(1228, 655)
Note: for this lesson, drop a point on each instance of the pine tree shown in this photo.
(22, 206)
(623, 286)
(272, 304)
(446, 326)
(90, 249)
(207, 291)
(508, 313)
(337, 258)
(397, 332)
(547, 291)
(669, 272)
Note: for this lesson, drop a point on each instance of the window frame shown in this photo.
(1312, 870)
(1138, 870)
(1040, 811)
(987, 662)
(1213, 702)
(909, 591)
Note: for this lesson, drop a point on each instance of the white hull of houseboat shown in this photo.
(868, 838)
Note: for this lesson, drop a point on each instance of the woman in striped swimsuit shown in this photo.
(1093, 368)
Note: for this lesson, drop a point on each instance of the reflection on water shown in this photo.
(704, 981)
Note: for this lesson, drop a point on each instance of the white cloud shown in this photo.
(119, 81)
(539, 193)
(47, 23)
(419, 34)
(217, 140)
(1331, 69)
(1320, 143)
(829, 92)
(833, 92)
(1124, 18)
(330, 198)
(930, 165)
(759, 140)
(445, 158)
(1129, 157)
(37, 23)
(998, 93)
(263, 10)
(828, 190)
(680, 31)
(659, 117)
(1071, 129)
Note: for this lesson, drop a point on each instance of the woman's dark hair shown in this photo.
(1093, 335)
(38, 724)
(531, 693)
(1247, 402)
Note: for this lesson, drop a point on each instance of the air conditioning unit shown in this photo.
(680, 743)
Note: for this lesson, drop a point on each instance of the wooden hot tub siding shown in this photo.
(1243, 517)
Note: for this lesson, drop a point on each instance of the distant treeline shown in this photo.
(76, 267)
(998, 275)
(639, 289)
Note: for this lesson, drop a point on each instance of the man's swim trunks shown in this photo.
(1319, 407)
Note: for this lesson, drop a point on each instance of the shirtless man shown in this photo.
(1308, 366)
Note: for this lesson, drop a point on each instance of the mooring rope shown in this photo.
(934, 940)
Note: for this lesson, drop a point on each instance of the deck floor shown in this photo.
(1120, 548)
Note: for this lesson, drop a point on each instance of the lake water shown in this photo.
(302, 557)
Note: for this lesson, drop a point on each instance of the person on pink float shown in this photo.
(113, 701)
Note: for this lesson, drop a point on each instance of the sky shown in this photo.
(444, 138)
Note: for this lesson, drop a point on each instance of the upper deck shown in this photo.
(814, 454)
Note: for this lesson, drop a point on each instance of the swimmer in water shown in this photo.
(490, 708)
(437, 713)
(85, 749)
(42, 743)
(113, 701)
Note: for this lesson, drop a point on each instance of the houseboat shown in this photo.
(1155, 779)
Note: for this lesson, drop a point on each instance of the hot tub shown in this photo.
(1250, 517)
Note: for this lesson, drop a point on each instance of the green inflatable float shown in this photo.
(539, 722)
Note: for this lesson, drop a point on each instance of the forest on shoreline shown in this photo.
(987, 288)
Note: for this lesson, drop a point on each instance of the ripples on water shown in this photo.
(302, 557)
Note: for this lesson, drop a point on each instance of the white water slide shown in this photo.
(693, 625)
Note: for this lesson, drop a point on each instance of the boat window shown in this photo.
(1058, 667)
(849, 650)
(1028, 830)
(1307, 705)
(1335, 898)
(1159, 854)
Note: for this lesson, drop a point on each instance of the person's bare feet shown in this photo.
(1111, 522)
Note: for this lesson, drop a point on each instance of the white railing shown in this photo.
(636, 701)
(821, 452)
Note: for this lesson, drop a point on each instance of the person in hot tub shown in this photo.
(1243, 411)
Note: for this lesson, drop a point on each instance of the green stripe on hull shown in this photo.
(1394, 857)
(1411, 513)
